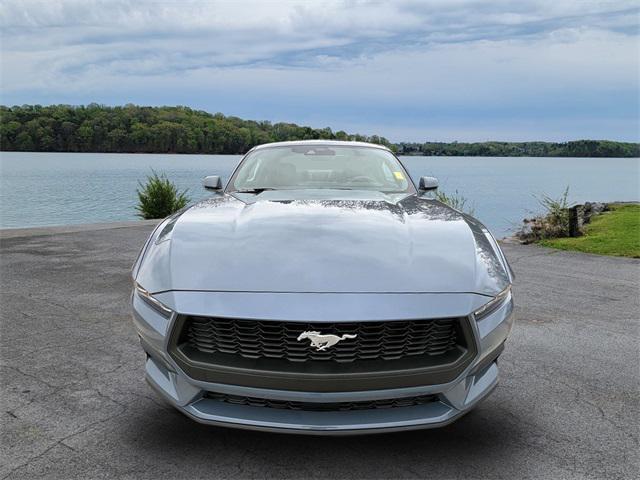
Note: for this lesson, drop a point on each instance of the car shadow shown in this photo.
(483, 436)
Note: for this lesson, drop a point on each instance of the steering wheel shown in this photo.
(361, 178)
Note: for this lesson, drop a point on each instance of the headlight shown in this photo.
(493, 305)
(152, 302)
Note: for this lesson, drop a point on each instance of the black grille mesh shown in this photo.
(322, 407)
(273, 339)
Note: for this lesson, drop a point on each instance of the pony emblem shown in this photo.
(322, 342)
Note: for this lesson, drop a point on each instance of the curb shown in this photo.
(87, 227)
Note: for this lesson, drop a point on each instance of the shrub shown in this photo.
(159, 197)
(557, 214)
(455, 200)
(553, 223)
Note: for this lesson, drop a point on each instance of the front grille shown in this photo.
(254, 339)
(322, 407)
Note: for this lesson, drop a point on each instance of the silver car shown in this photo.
(320, 291)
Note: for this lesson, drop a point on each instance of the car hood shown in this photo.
(316, 241)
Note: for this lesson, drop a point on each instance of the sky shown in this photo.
(435, 70)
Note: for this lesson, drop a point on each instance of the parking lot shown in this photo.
(75, 405)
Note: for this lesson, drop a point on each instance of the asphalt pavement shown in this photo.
(74, 403)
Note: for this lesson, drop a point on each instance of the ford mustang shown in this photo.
(321, 291)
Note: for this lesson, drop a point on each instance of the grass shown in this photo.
(616, 232)
(455, 200)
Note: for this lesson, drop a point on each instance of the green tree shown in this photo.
(132, 128)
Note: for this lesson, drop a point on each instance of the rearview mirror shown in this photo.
(428, 183)
(212, 182)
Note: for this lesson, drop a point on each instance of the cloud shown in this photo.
(452, 67)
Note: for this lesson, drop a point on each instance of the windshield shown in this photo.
(320, 167)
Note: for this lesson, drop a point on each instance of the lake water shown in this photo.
(38, 189)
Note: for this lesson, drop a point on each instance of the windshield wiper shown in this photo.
(254, 190)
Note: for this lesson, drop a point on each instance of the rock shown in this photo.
(547, 226)
(589, 209)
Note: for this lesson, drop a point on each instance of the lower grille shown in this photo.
(254, 339)
(322, 407)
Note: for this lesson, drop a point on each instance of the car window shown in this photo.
(321, 167)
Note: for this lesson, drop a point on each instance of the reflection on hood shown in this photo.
(304, 241)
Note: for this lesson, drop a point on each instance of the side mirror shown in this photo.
(212, 182)
(428, 183)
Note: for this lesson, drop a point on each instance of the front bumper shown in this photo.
(452, 400)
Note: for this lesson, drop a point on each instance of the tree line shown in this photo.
(137, 129)
(577, 148)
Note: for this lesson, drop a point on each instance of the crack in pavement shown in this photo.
(61, 442)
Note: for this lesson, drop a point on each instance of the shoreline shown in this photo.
(16, 232)
(24, 232)
(178, 154)
(6, 233)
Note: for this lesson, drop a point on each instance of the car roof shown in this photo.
(329, 143)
